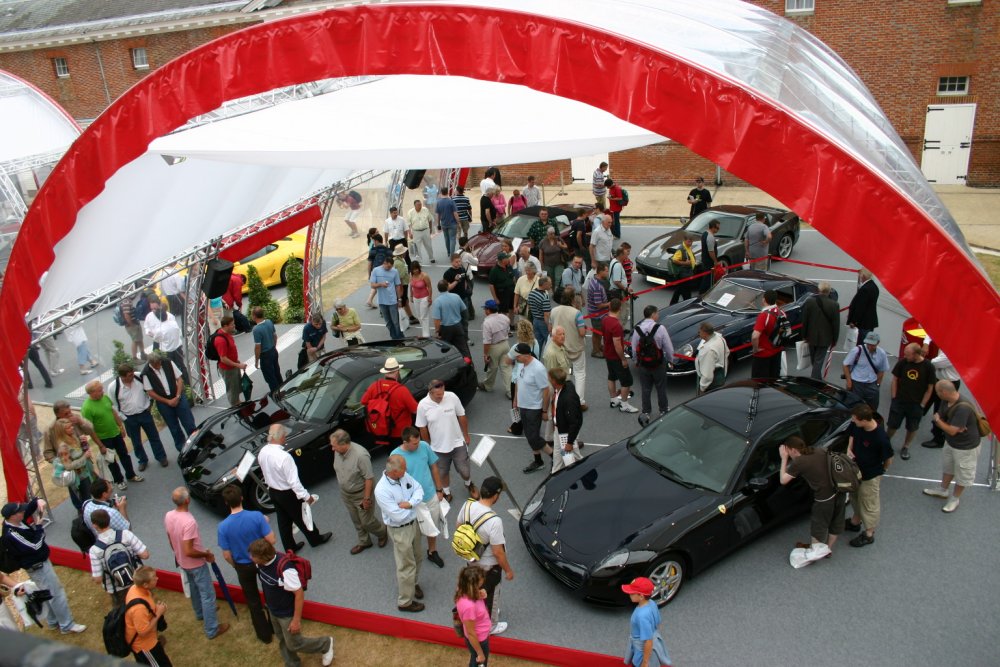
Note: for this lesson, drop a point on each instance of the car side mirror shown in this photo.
(353, 412)
(758, 484)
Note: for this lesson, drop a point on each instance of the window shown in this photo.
(800, 6)
(61, 67)
(139, 59)
(953, 85)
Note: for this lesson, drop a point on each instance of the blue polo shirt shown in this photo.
(265, 335)
(446, 211)
(237, 531)
(530, 384)
(448, 308)
(418, 466)
(386, 295)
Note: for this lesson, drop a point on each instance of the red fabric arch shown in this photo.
(749, 136)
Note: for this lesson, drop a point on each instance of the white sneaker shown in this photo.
(627, 407)
(122, 485)
(76, 629)
(616, 401)
(499, 628)
(328, 656)
(936, 491)
(951, 505)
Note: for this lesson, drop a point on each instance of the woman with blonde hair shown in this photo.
(72, 457)
(525, 333)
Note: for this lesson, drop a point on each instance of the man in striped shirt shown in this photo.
(539, 306)
(597, 302)
(464, 208)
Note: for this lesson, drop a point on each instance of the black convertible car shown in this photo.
(731, 306)
(322, 397)
(653, 261)
(680, 494)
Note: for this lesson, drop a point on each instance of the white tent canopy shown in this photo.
(32, 123)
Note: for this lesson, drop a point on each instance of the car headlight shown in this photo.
(619, 559)
(226, 479)
(535, 504)
(686, 350)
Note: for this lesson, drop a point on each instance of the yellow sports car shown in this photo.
(272, 260)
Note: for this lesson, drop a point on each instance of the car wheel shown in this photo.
(258, 495)
(284, 270)
(667, 574)
(785, 245)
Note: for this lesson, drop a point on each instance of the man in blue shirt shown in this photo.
(864, 367)
(533, 392)
(447, 220)
(265, 350)
(398, 495)
(236, 533)
(447, 312)
(388, 286)
(420, 462)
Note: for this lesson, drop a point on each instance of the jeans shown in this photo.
(203, 597)
(57, 609)
(269, 367)
(179, 420)
(83, 357)
(485, 644)
(117, 443)
(449, 238)
(616, 224)
(134, 426)
(541, 332)
(866, 392)
(649, 378)
(390, 313)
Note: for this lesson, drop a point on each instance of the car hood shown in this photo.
(662, 248)
(682, 321)
(595, 518)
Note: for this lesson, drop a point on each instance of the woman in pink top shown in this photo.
(471, 606)
(421, 296)
(500, 202)
(517, 202)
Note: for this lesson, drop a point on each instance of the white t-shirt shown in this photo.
(491, 532)
(441, 420)
(396, 229)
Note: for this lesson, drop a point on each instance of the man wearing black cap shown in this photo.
(533, 394)
(27, 546)
(502, 283)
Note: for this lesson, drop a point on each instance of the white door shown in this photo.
(948, 142)
(584, 166)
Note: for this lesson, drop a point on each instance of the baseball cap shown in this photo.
(639, 586)
(492, 305)
(872, 338)
(10, 509)
(490, 487)
(503, 255)
(522, 348)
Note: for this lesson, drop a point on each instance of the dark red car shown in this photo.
(486, 245)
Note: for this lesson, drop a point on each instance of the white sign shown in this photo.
(725, 299)
(515, 243)
(245, 464)
(483, 450)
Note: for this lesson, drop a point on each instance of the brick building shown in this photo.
(927, 62)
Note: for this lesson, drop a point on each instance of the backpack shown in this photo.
(301, 565)
(118, 316)
(114, 629)
(624, 202)
(119, 565)
(782, 332)
(984, 426)
(141, 308)
(844, 473)
(648, 354)
(82, 536)
(379, 421)
(211, 353)
(465, 541)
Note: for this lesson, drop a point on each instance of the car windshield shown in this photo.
(730, 225)
(734, 296)
(519, 226)
(690, 448)
(313, 394)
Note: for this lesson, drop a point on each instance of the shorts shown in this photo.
(961, 463)
(353, 215)
(827, 517)
(900, 409)
(618, 372)
(460, 457)
(134, 332)
(596, 323)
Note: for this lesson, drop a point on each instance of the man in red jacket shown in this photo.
(233, 298)
(402, 405)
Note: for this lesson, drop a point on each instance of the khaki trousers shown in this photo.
(407, 550)
(291, 645)
(866, 503)
(498, 355)
(366, 521)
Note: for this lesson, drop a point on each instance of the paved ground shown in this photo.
(923, 594)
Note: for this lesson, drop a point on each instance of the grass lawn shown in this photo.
(992, 265)
(186, 643)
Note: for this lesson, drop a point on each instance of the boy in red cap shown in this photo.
(646, 647)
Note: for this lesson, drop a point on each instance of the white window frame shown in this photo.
(140, 59)
(965, 2)
(952, 80)
(61, 67)
(799, 7)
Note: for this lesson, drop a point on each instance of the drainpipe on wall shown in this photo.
(718, 175)
(100, 67)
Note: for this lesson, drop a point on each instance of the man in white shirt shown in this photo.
(601, 241)
(712, 362)
(398, 495)
(133, 403)
(101, 559)
(524, 257)
(489, 181)
(532, 195)
(173, 288)
(442, 422)
(396, 229)
(421, 219)
(282, 478)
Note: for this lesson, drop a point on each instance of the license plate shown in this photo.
(658, 281)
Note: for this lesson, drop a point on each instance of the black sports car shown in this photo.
(731, 306)
(653, 261)
(683, 492)
(322, 397)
